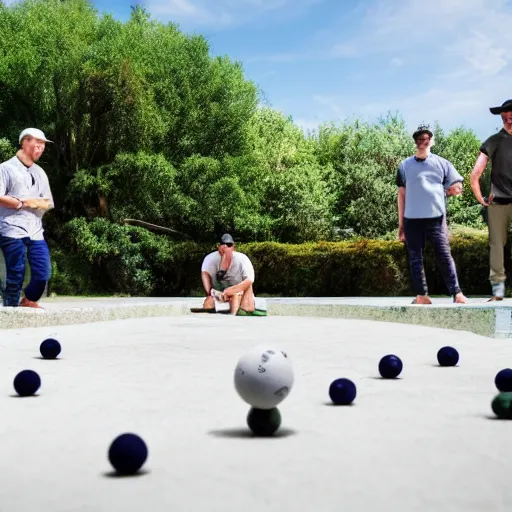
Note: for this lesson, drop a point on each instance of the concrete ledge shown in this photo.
(483, 318)
(18, 318)
(480, 321)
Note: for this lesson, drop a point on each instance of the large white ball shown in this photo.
(264, 377)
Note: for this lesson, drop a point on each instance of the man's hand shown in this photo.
(401, 233)
(454, 190)
(36, 204)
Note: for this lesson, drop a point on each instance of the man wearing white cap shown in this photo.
(25, 196)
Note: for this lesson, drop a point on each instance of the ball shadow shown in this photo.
(441, 366)
(245, 433)
(45, 359)
(490, 417)
(331, 404)
(115, 474)
(382, 378)
(15, 395)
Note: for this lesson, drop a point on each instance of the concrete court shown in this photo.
(425, 442)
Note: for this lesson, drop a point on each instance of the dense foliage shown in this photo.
(148, 125)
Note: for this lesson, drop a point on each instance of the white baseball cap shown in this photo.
(33, 132)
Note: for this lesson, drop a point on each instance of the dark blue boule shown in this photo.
(342, 391)
(127, 454)
(27, 382)
(50, 348)
(390, 366)
(447, 356)
(503, 380)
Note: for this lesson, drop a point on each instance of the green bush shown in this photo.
(110, 258)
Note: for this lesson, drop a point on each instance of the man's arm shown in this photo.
(401, 210)
(207, 282)
(11, 202)
(237, 288)
(478, 170)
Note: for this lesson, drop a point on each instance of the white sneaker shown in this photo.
(498, 291)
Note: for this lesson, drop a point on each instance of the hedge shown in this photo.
(126, 260)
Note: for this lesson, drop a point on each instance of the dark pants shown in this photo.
(38, 255)
(417, 231)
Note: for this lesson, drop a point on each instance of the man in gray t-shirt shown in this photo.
(228, 276)
(25, 196)
(424, 180)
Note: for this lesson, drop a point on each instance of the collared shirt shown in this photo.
(425, 183)
(17, 180)
(498, 148)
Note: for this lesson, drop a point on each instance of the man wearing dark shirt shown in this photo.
(497, 149)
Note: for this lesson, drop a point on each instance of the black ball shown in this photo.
(264, 422)
(27, 382)
(390, 366)
(127, 453)
(448, 356)
(503, 380)
(342, 391)
(50, 348)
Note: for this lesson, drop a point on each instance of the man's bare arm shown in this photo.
(10, 202)
(240, 287)
(207, 282)
(478, 170)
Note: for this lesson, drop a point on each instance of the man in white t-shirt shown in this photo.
(228, 276)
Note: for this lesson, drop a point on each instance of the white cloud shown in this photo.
(222, 13)
(464, 45)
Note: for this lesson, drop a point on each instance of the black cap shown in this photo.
(226, 239)
(422, 128)
(505, 107)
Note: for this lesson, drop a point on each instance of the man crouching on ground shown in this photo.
(228, 276)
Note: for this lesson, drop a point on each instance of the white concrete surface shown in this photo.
(425, 442)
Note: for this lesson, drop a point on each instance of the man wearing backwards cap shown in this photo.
(228, 276)
(25, 196)
(424, 180)
(498, 150)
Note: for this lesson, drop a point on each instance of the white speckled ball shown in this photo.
(264, 377)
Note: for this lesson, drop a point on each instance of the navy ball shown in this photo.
(448, 356)
(342, 391)
(503, 380)
(127, 454)
(27, 382)
(390, 366)
(50, 348)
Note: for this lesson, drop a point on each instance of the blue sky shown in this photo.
(329, 60)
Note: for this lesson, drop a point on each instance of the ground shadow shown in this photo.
(245, 433)
(382, 378)
(491, 417)
(115, 474)
(339, 405)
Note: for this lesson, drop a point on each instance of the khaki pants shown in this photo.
(500, 218)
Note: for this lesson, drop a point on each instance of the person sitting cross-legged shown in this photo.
(228, 277)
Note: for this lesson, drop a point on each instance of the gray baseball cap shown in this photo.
(226, 239)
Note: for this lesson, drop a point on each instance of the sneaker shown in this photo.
(498, 291)
(25, 303)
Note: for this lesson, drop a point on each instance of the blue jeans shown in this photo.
(417, 231)
(38, 255)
